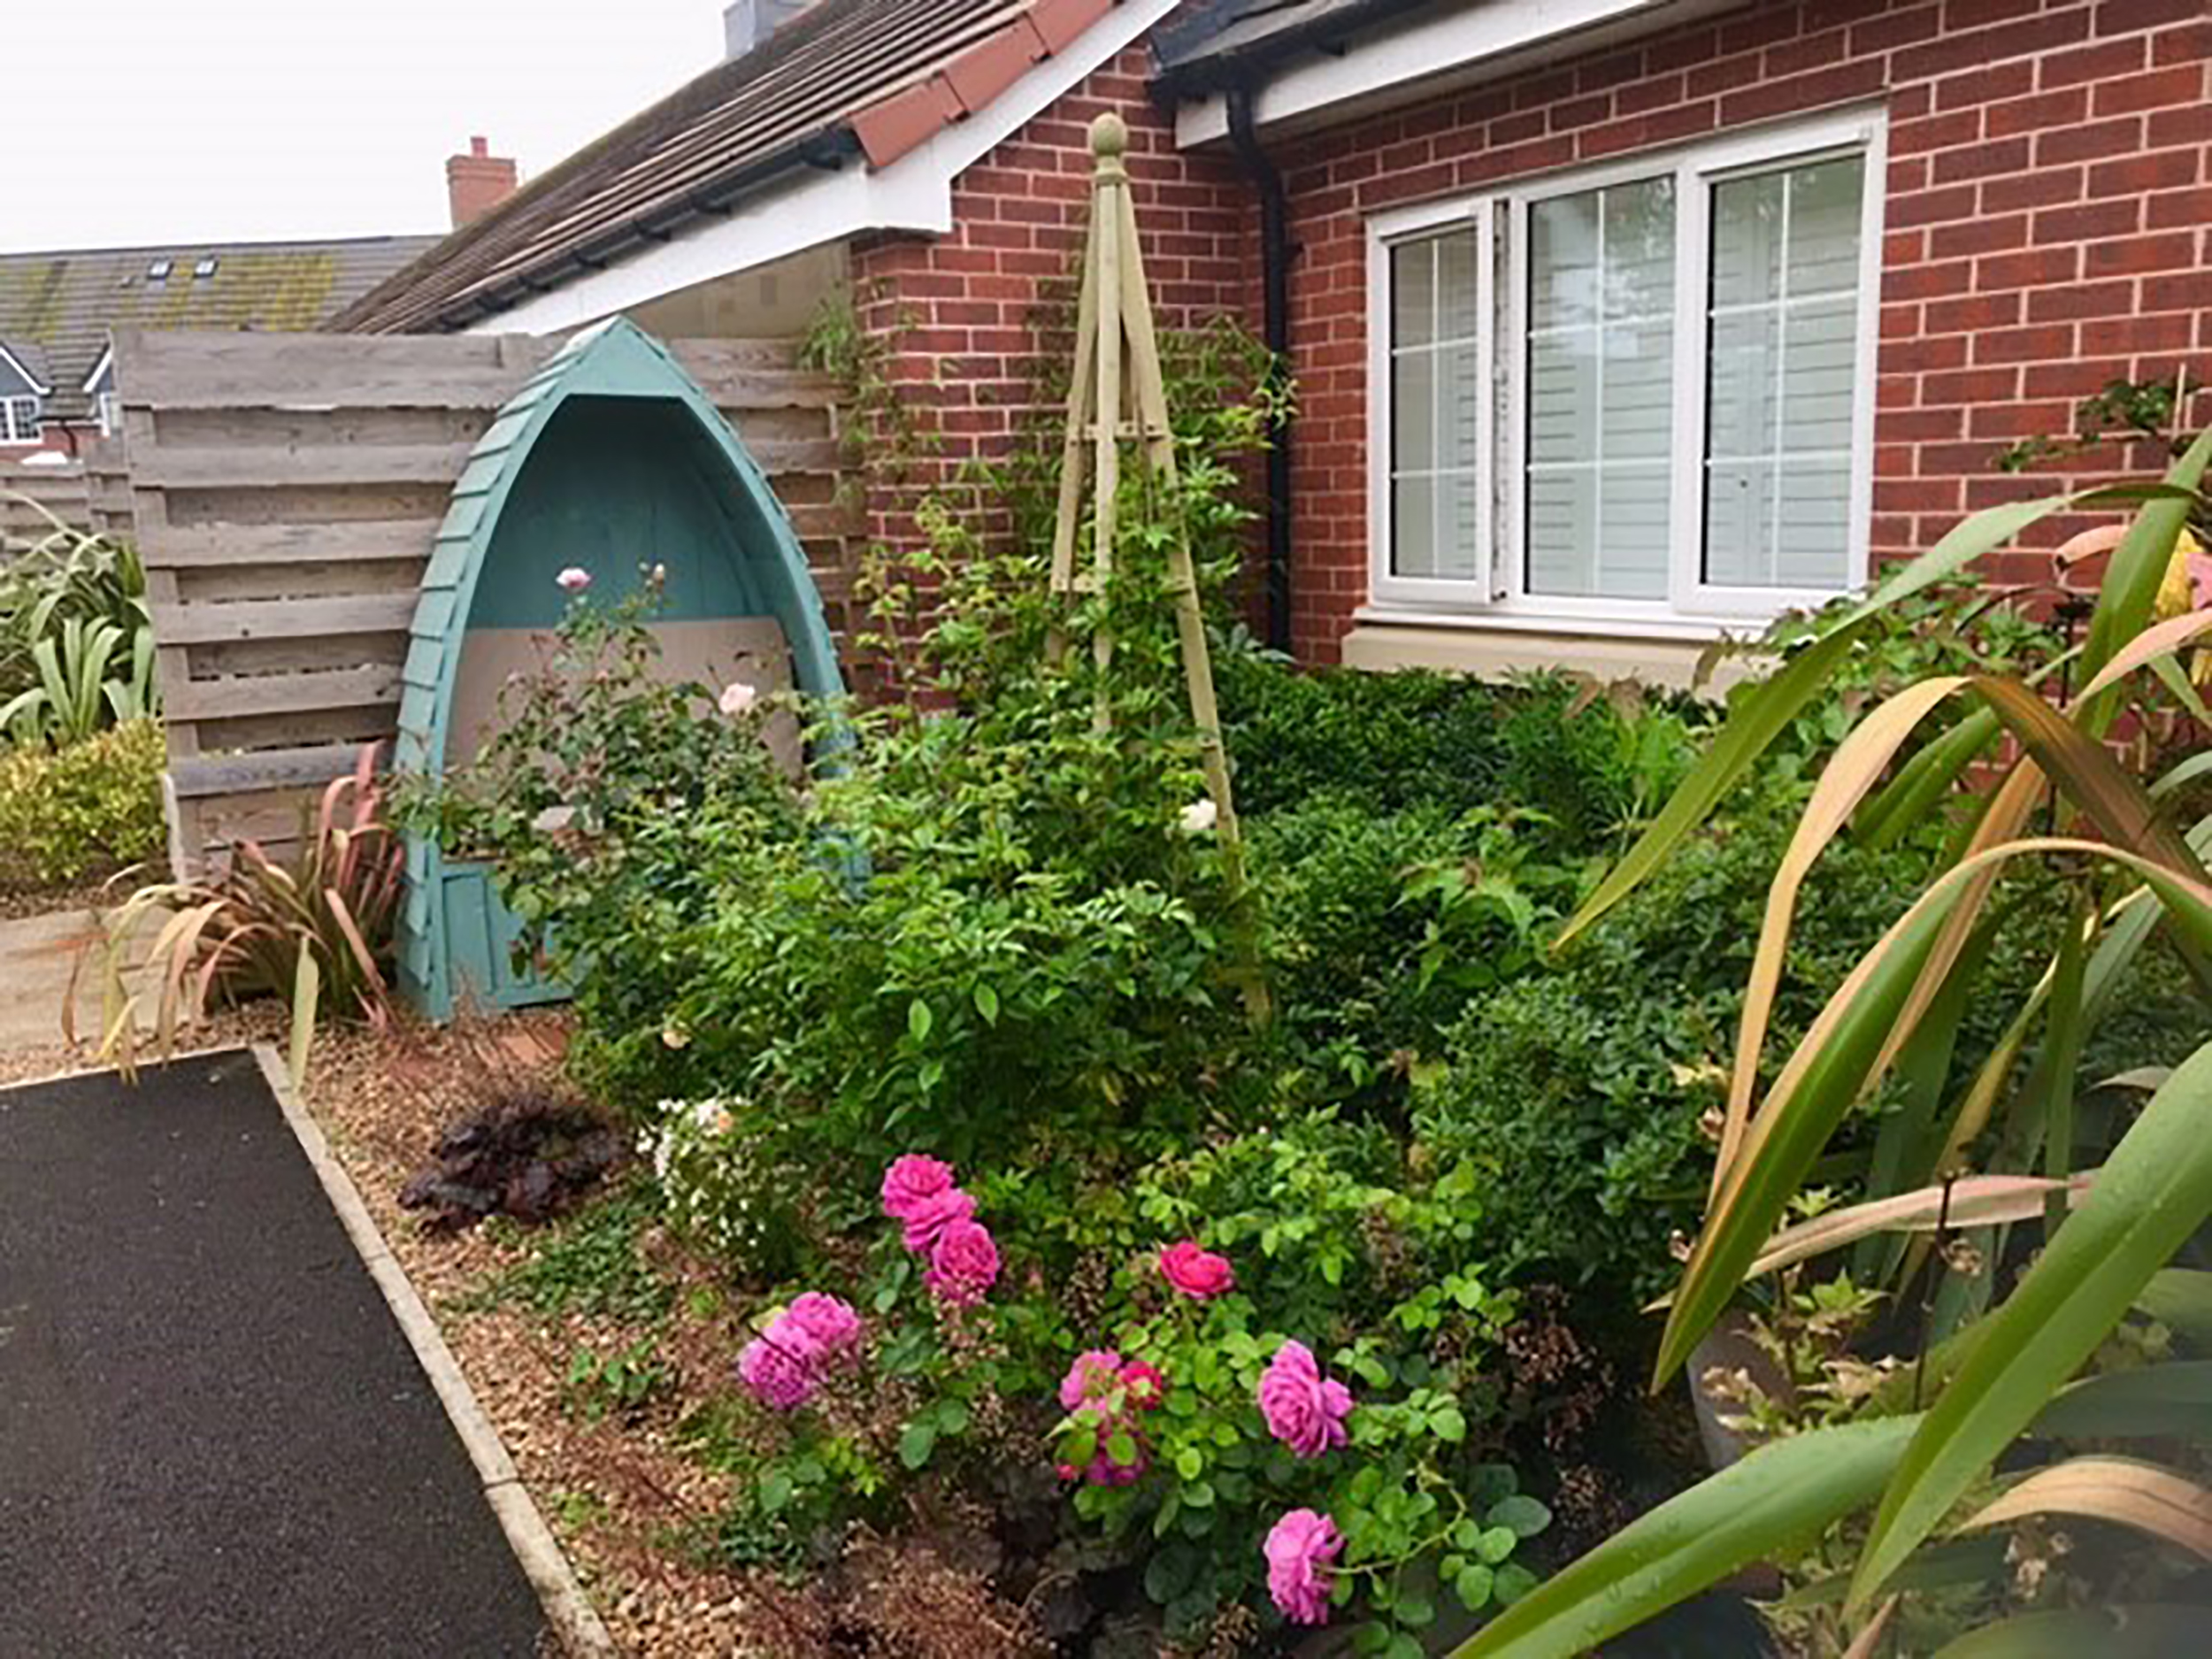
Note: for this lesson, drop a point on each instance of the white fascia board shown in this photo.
(99, 370)
(24, 373)
(913, 194)
(1412, 58)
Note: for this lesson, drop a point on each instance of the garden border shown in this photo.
(567, 1608)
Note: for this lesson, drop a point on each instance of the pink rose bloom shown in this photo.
(926, 1222)
(1093, 1376)
(575, 580)
(1143, 1385)
(779, 1366)
(1196, 1273)
(912, 1180)
(1301, 1552)
(830, 1325)
(964, 1263)
(1303, 1410)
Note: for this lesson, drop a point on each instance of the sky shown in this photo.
(175, 120)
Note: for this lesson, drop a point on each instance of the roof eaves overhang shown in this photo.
(826, 198)
(720, 198)
(1368, 56)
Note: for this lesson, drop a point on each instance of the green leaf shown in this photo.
(1513, 1583)
(952, 1418)
(1522, 1514)
(775, 1490)
(2119, 1632)
(1415, 1613)
(1496, 1543)
(1121, 1450)
(1775, 1498)
(1190, 1463)
(917, 1442)
(2131, 579)
(2181, 1298)
(1761, 713)
(2154, 1190)
(1473, 1585)
(1449, 1424)
(986, 1004)
(918, 1019)
(1171, 1572)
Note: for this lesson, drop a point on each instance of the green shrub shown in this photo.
(1382, 924)
(1581, 1088)
(1417, 739)
(83, 809)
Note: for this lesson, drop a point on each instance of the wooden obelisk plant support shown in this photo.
(1118, 393)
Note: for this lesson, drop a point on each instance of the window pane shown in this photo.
(1781, 377)
(1413, 412)
(1413, 527)
(1825, 226)
(1413, 294)
(1601, 391)
(1457, 296)
(1435, 407)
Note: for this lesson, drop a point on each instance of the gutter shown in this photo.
(1275, 256)
(1236, 67)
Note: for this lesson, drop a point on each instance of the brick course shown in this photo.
(2046, 218)
(955, 316)
(2048, 229)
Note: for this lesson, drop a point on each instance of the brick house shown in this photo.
(1617, 323)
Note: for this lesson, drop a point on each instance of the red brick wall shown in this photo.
(954, 313)
(2050, 188)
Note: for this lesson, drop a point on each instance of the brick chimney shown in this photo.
(478, 182)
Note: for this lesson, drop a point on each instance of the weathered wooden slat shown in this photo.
(186, 547)
(282, 619)
(243, 468)
(270, 768)
(260, 694)
(396, 463)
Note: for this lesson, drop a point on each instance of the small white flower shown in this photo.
(737, 698)
(659, 575)
(675, 1036)
(575, 580)
(1199, 817)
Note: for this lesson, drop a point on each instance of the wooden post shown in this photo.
(1114, 333)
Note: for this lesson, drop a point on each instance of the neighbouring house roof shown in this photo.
(28, 363)
(63, 304)
(847, 84)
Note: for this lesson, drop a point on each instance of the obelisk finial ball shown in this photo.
(1110, 135)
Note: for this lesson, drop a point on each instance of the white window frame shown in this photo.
(1497, 594)
(13, 434)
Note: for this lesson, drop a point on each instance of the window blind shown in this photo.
(1601, 398)
(1435, 397)
(1784, 317)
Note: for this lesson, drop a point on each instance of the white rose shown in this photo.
(1199, 817)
(737, 698)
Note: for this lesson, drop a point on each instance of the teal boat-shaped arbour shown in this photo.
(611, 459)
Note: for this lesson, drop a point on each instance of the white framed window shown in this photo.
(1634, 398)
(19, 420)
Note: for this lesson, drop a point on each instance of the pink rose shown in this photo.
(911, 1181)
(963, 1263)
(927, 1220)
(1303, 1410)
(1196, 1273)
(779, 1366)
(575, 580)
(1143, 1385)
(1092, 1378)
(1301, 1552)
(830, 1325)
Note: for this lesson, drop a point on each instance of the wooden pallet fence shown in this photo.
(286, 489)
(89, 491)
